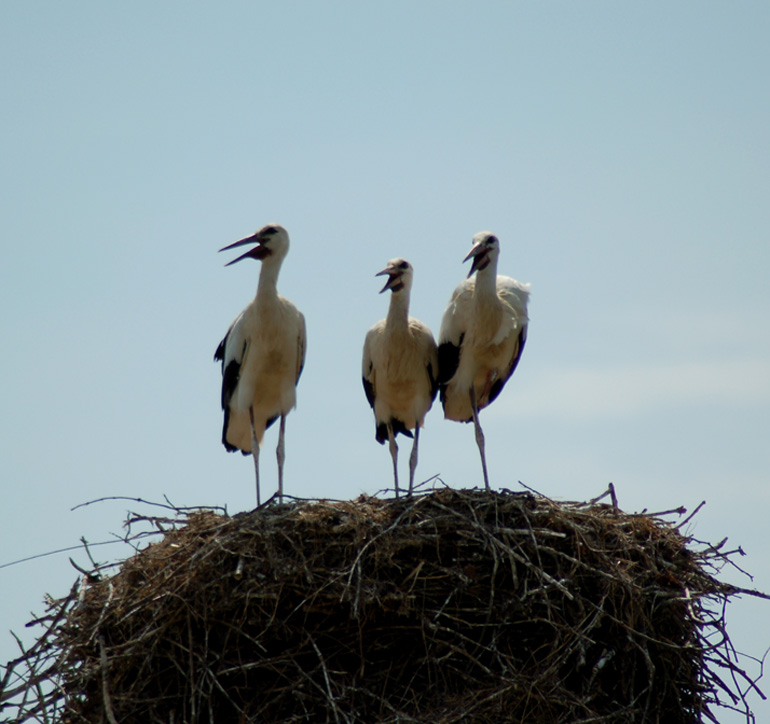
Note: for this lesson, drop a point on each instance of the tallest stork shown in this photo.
(262, 355)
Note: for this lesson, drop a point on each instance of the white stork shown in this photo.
(482, 336)
(262, 355)
(400, 368)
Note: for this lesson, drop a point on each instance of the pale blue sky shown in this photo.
(619, 150)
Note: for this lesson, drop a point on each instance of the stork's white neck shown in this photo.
(486, 281)
(398, 311)
(268, 278)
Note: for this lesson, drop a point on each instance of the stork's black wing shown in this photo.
(231, 373)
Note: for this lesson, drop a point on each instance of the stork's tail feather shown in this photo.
(228, 445)
(232, 448)
(398, 427)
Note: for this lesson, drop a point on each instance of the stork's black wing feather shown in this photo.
(230, 376)
(368, 390)
(433, 377)
(497, 385)
(301, 343)
(448, 360)
(219, 355)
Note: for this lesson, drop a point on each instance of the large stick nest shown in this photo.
(454, 606)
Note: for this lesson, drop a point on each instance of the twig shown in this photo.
(329, 694)
(105, 688)
(692, 515)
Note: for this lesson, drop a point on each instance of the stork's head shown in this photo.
(485, 249)
(399, 273)
(272, 241)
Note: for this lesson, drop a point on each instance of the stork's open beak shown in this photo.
(258, 252)
(394, 277)
(479, 255)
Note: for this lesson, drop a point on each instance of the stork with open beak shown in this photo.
(262, 355)
(483, 332)
(400, 368)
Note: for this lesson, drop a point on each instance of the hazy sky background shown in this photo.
(619, 150)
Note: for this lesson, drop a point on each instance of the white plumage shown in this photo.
(400, 368)
(482, 336)
(262, 355)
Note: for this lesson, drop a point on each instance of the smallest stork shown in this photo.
(400, 368)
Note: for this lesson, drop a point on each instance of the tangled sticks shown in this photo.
(453, 606)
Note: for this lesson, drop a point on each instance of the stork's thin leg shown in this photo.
(479, 436)
(394, 454)
(279, 453)
(413, 456)
(255, 451)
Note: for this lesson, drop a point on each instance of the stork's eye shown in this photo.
(269, 231)
(403, 265)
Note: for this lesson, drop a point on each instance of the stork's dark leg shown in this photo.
(254, 450)
(280, 454)
(479, 436)
(413, 456)
(394, 454)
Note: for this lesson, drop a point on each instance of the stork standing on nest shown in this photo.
(482, 336)
(262, 355)
(400, 368)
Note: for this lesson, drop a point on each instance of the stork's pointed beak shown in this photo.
(393, 278)
(253, 239)
(258, 252)
(479, 255)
